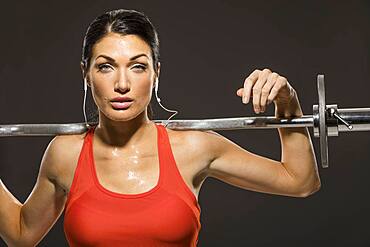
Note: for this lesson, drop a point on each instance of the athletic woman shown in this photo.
(129, 181)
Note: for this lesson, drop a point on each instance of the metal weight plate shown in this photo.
(322, 122)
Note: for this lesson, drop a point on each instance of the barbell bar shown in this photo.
(326, 120)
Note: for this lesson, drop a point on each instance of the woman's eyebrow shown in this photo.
(106, 57)
(112, 60)
(137, 56)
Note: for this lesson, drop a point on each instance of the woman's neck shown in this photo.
(122, 133)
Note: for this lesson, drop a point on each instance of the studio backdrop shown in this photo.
(207, 48)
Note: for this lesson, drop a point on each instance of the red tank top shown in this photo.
(166, 215)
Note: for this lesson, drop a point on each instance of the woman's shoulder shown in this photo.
(61, 156)
(197, 138)
(67, 145)
(194, 141)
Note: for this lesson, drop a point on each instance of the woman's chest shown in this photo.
(134, 172)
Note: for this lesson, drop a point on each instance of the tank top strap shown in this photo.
(82, 178)
(166, 158)
(163, 153)
(173, 180)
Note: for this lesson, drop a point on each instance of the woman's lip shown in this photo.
(121, 105)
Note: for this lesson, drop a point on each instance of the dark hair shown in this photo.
(123, 22)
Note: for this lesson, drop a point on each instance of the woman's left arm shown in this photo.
(296, 174)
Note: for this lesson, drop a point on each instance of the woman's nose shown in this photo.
(122, 82)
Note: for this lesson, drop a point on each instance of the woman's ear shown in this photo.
(156, 80)
(84, 74)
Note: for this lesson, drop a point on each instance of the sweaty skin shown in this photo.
(133, 159)
(124, 144)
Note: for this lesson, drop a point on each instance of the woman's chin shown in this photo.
(121, 115)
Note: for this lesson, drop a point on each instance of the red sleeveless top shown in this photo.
(166, 215)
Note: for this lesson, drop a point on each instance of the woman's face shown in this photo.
(121, 65)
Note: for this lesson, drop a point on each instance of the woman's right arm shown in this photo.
(26, 224)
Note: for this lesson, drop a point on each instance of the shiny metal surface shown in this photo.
(359, 118)
(323, 131)
(42, 129)
(267, 122)
(327, 120)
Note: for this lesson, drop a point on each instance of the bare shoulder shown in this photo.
(201, 144)
(202, 140)
(61, 156)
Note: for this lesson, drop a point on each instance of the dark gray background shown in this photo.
(207, 49)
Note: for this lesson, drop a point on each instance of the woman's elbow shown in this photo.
(309, 190)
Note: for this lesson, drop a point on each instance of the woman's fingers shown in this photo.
(248, 84)
(239, 92)
(282, 91)
(275, 89)
(265, 87)
(265, 92)
(257, 89)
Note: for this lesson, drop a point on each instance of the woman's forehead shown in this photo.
(119, 46)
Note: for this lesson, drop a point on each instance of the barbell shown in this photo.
(326, 120)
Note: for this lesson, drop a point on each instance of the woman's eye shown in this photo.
(139, 67)
(104, 67)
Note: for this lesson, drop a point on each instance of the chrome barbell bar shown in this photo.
(327, 120)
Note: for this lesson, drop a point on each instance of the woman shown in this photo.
(131, 182)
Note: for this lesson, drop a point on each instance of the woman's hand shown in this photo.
(265, 87)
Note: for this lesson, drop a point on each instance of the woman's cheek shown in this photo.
(99, 96)
(146, 95)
